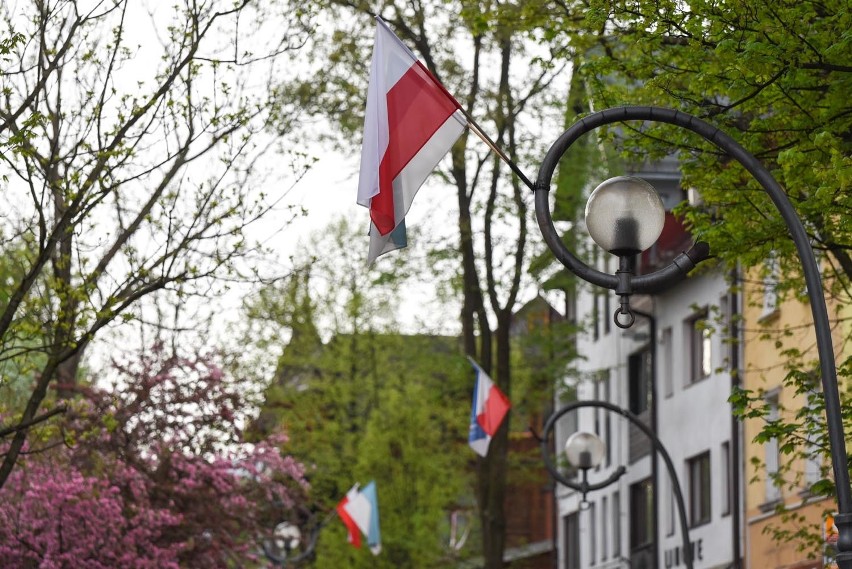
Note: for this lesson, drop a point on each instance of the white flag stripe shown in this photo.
(480, 446)
(391, 60)
(409, 180)
(359, 509)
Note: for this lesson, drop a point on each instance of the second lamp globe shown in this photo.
(625, 215)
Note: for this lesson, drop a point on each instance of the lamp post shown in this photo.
(585, 451)
(294, 541)
(620, 231)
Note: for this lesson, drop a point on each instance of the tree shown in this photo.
(776, 86)
(488, 261)
(132, 164)
(363, 402)
(154, 474)
(775, 76)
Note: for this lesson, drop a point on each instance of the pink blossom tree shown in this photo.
(154, 473)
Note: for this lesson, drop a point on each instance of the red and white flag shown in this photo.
(410, 124)
(490, 406)
(359, 512)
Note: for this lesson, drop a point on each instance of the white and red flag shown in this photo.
(359, 511)
(490, 406)
(410, 124)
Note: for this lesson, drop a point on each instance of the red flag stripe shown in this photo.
(496, 407)
(417, 107)
(351, 526)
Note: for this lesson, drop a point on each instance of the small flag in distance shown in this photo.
(359, 511)
(490, 406)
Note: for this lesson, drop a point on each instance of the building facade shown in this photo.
(779, 495)
(672, 371)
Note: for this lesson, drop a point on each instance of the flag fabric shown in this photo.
(490, 406)
(411, 122)
(354, 536)
(359, 511)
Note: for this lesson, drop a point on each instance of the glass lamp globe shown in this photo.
(584, 450)
(625, 215)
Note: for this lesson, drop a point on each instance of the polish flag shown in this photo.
(490, 406)
(410, 124)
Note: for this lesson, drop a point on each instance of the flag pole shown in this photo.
(477, 130)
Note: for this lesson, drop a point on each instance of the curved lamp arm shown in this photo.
(658, 447)
(654, 282)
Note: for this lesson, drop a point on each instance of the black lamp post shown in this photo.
(585, 451)
(618, 228)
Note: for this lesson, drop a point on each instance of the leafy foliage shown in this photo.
(363, 402)
(132, 166)
(776, 85)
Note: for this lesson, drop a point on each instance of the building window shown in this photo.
(666, 371)
(593, 534)
(604, 529)
(813, 466)
(596, 413)
(596, 296)
(596, 316)
(670, 511)
(639, 380)
(571, 540)
(700, 335)
(607, 299)
(616, 524)
(726, 478)
(772, 456)
(699, 489)
(603, 393)
(770, 286)
(641, 514)
(813, 458)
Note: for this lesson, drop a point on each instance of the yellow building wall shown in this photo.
(764, 370)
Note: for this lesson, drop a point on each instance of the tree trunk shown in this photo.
(492, 470)
(66, 375)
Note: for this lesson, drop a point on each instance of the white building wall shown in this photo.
(693, 418)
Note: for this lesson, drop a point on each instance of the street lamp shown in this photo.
(586, 450)
(625, 282)
(293, 541)
(625, 215)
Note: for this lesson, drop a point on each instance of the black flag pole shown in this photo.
(477, 130)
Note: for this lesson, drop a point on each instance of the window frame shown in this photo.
(698, 470)
(727, 480)
(640, 377)
(772, 449)
(571, 536)
(700, 337)
(641, 494)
